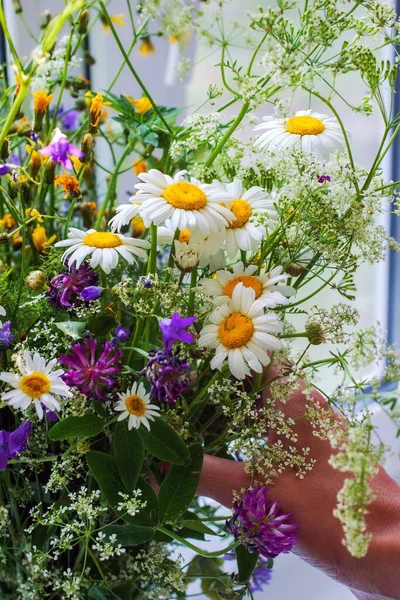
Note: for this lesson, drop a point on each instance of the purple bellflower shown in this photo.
(261, 526)
(6, 337)
(13, 442)
(60, 149)
(174, 330)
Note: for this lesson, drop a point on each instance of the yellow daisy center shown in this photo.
(184, 236)
(135, 405)
(242, 211)
(235, 331)
(102, 239)
(35, 385)
(304, 125)
(185, 195)
(248, 281)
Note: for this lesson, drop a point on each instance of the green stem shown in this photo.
(111, 186)
(200, 551)
(227, 135)
(14, 109)
(131, 68)
(8, 37)
(193, 282)
(151, 263)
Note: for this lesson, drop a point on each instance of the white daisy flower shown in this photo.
(104, 247)
(308, 130)
(188, 204)
(241, 233)
(241, 333)
(266, 285)
(36, 383)
(125, 214)
(135, 406)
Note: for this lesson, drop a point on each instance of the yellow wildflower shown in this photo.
(146, 47)
(116, 19)
(141, 105)
(139, 166)
(69, 184)
(8, 220)
(137, 226)
(32, 212)
(96, 113)
(40, 240)
(41, 100)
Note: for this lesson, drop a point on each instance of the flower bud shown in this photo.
(3, 238)
(88, 58)
(35, 162)
(187, 256)
(315, 333)
(83, 446)
(83, 22)
(294, 270)
(87, 143)
(5, 150)
(50, 171)
(36, 280)
(17, 7)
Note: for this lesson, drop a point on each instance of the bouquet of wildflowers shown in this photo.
(137, 335)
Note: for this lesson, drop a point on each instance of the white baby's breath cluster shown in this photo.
(52, 66)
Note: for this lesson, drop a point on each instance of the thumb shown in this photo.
(220, 477)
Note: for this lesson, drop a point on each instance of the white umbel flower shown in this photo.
(241, 333)
(187, 204)
(308, 130)
(37, 383)
(104, 247)
(135, 406)
(266, 286)
(241, 233)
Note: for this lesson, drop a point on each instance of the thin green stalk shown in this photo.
(193, 282)
(152, 262)
(227, 135)
(15, 109)
(3, 24)
(131, 68)
(200, 551)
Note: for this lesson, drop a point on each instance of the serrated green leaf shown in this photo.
(129, 454)
(164, 443)
(86, 426)
(180, 485)
(104, 469)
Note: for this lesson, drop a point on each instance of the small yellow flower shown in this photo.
(139, 166)
(8, 221)
(116, 19)
(76, 162)
(96, 113)
(41, 100)
(137, 226)
(146, 47)
(32, 212)
(17, 241)
(173, 39)
(69, 184)
(141, 105)
(40, 240)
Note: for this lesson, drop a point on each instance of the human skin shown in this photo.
(312, 500)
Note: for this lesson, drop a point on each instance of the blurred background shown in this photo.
(378, 295)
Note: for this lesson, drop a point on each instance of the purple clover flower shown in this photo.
(92, 375)
(68, 290)
(173, 330)
(260, 524)
(168, 376)
(59, 150)
(13, 442)
(6, 337)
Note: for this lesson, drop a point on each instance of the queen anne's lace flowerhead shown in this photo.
(261, 526)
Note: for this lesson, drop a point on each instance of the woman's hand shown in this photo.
(313, 499)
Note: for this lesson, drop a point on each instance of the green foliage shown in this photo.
(88, 425)
(129, 454)
(164, 443)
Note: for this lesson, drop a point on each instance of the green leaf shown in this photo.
(100, 593)
(246, 562)
(129, 454)
(148, 516)
(179, 487)
(197, 525)
(74, 329)
(104, 469)
(164, 443)
(86, 426)
(130, 535)
(101, 325)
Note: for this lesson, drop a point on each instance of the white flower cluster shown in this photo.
(161, 575)
(132, 503)
(107, 546)
(197, 129)
(52, 67)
